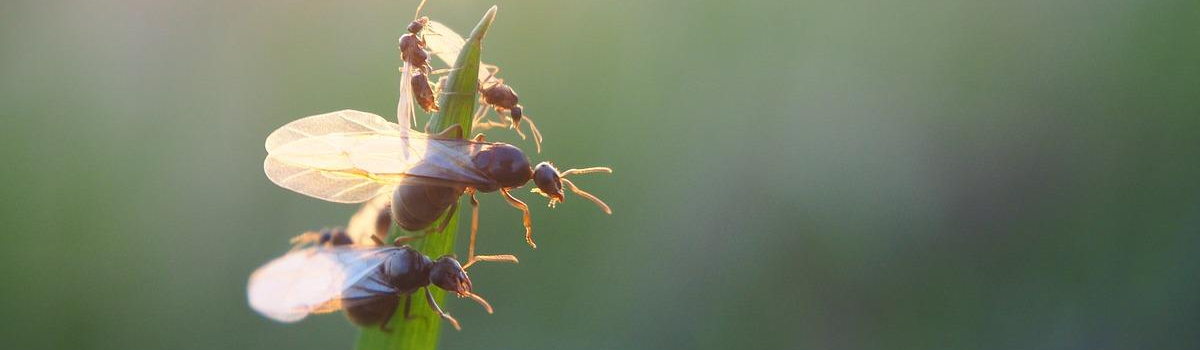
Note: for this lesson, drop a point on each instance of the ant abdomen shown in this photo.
(375, 311)
(417, 206)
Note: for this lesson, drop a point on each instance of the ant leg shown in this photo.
(438, 310)
(383, 326)
(517, 203)
(478, 137)
(442, 71)
(490, 124)
(304, 239)
(489, 81)
(452, 132)
(492, 70)
(471, 257)
(474, 228)
(378, 241)
(510, 124)
(478, 117)
(407, 306)
(402, 240)
(537, 135)
(479, 122)
(446, 222)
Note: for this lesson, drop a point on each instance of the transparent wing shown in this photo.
(405, 118)
(315, 280)
(339, 186)
(444, 43)
(350, 157)
(362, 224)
(341, 122)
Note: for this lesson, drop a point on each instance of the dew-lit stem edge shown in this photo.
(456, 106)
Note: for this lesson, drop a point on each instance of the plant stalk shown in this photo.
(456, 106)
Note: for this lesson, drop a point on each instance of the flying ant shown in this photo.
(446, 45)
(412, 51)
(351, 156)
(366, 282)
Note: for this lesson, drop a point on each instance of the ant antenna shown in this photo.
(583, 171)
(479, 299)
(537, 135)
(418, 13)
(571, 185)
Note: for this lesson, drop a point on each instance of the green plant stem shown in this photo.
(421, 331)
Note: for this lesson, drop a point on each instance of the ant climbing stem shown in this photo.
(423, 189)
(504, 100)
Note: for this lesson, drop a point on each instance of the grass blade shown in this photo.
(457, 106)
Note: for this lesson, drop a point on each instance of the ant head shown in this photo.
(548, 181)
(334, 237)
(383, 220)
(515, 113)
(417, 25)
(448, 274)
(550, 184)
(505, 164)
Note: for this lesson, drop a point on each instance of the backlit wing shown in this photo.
(315, 280)
(444, 43)
(405, 118)
(350, 157)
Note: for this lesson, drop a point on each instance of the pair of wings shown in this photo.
(318, 280)
(445, 44)
(350, 156)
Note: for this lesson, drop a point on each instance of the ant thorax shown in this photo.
(500, 95)
(407, 270)
(504, 164)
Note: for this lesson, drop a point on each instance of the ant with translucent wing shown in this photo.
(351, 157)
(366, 282)
(412, 51)
(311, 278)
(446, 45)
(503, 100)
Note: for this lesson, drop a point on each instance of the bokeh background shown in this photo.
(789, 174)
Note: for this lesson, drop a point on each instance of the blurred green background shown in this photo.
(789, 174)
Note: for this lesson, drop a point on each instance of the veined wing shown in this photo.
(314, 280)
(364, 223)
(339, 186)
(350, 157)
(444, 43)
(405, 118)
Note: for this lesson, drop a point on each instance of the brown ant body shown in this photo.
(417, 205)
